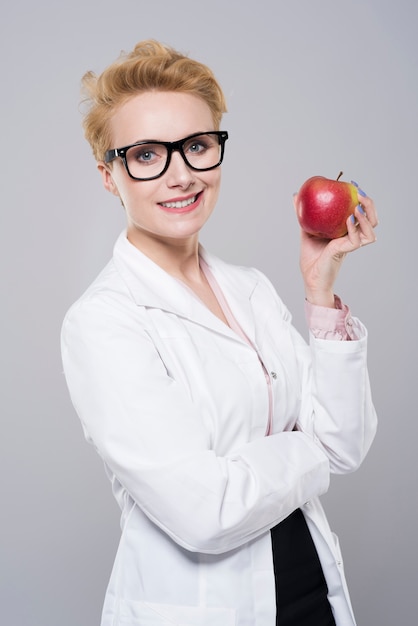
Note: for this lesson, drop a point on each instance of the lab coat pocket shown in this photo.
(152, 614)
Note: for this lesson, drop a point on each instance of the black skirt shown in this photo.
(301, 589)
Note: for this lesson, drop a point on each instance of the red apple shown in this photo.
(323, 206)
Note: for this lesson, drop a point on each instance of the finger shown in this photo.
(359, 232)
(353, 233)
(364, 227)
(368, 205)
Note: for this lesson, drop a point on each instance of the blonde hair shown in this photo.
(151, 66)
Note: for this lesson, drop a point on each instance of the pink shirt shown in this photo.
(326, 323)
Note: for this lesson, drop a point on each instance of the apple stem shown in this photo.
(339, 175)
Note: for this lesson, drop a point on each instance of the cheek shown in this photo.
(218, 184)
(137, 196)
(214, 181)
(122, 184)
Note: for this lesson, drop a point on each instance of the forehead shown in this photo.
(159, 115)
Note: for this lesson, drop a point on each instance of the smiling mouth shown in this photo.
(180, 204)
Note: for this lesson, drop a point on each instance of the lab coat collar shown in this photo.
(151, 286)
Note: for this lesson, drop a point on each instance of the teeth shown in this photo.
(179, 205)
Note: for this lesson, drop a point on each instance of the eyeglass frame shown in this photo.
(171, 146)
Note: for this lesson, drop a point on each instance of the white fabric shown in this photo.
(176, 405)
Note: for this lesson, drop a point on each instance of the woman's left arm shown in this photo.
(337, 410)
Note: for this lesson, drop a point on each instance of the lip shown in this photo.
(187, 209)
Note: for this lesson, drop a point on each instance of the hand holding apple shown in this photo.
(324, 208)
(324, 205)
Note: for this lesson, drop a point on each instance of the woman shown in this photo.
(218, 425)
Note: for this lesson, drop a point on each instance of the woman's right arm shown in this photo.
(150, 435)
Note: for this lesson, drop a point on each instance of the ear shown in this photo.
(107, 178)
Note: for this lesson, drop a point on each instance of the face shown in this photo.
(173, 208)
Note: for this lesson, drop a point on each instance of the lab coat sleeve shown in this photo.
(336, 407)
(338, 412)
(146, 429)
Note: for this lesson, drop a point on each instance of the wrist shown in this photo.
(326, 299)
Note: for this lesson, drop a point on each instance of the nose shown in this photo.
(178, 173)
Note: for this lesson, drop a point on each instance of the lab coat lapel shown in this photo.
(150, 286)
(238, 286)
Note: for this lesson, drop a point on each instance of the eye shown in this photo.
(196, 147)
(147, 154)
(143, 155)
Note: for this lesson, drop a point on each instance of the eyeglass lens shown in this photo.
(149, 160)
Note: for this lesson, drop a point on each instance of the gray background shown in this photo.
(313, 87)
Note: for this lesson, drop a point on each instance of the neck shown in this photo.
(177, 257)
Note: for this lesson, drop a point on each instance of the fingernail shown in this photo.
(352, 218)
(360, 191)
(361, 210)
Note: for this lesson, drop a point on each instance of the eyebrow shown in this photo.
(147, 141)
(197, 133)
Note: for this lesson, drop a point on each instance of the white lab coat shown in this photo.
(176, 404)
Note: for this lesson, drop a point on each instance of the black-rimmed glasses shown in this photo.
(146, 160)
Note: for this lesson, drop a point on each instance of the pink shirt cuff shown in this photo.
(332, 324)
